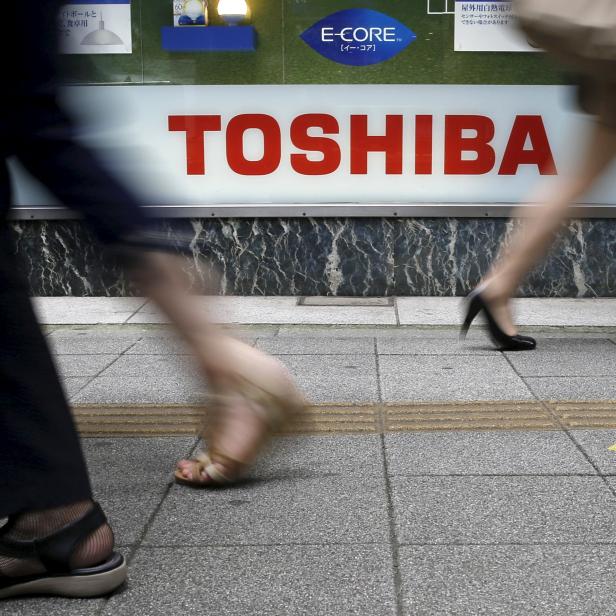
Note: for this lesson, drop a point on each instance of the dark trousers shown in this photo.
(41, 464)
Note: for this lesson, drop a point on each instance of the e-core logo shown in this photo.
(358, 37)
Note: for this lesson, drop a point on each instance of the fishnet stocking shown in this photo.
(34, 525)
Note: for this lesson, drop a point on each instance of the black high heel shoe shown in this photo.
(476, 304)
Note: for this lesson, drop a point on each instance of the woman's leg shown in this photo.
(536, 232)
(237, 432)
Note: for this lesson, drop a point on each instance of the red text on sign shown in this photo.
(468, 144)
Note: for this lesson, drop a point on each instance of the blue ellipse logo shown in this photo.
(358, 37)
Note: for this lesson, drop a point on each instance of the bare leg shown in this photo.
(536, 233)
(227, 363)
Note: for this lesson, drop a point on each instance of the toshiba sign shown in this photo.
(413, 132)
(358, 144)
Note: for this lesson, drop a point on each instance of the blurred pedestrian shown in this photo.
(57, 540)
(582, 34)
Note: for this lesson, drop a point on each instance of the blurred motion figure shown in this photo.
(582, 35)
(57, 540)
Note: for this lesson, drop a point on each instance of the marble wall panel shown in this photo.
(345, 257)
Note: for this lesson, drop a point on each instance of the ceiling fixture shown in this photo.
(101, 36)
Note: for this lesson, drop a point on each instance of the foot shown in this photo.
(94, 549)
(499, 306)
(253, 389)
(252, 392)
(239, 432)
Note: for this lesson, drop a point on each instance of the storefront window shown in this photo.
(321, 102)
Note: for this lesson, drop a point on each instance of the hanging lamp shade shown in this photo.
(102, 36)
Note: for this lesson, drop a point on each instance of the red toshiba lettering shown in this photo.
(456, 144)
(423, 145)
(270, 160)
(195, 127)
(390, 143)
(528, 127)
(328, 147)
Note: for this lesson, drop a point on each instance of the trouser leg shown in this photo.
(41, 463)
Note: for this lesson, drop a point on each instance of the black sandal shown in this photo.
(55, 552)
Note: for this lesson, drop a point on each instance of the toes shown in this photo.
(188, 471)
(184, 468)
(191, 473)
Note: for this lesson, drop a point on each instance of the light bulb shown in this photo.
(193, 8)
(233, 12)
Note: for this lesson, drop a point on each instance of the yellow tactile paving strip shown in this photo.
(586, 414)
(170, 420)
(468, 416)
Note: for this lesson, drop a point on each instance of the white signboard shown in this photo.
(487, 26)
(200, 145)
(100, 27)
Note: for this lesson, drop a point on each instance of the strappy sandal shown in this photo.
(54, 552)
(275, 410)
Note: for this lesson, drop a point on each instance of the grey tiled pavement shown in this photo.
(35, 606)
(302, 580)
(141, 389)
(595, 444)
(431, 345)
(493, 509)
(362, 525)
(151, 365)
(304, 345)
(450, 377)
(460, 523)
(136, 364)
(333, 378)
(300, 457)
(74, 384)
(558, 358)
(573, 387)
(130, 477)
(92, 341)
(295, 510)
(84, 365)
(479, 453)
(521, 580)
